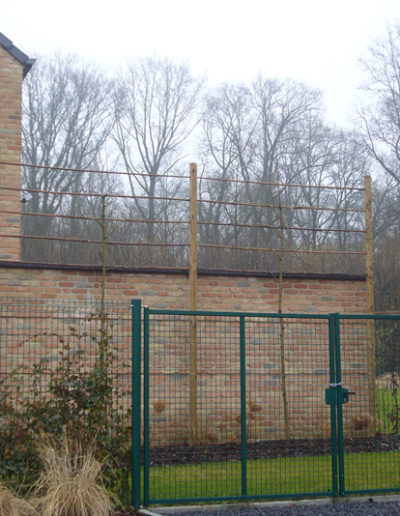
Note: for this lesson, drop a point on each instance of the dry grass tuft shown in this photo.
(71, 482)
(12, 505)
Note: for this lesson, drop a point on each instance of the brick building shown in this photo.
(14, 65)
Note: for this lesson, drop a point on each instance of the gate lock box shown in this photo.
(330, 396)
(333, 394)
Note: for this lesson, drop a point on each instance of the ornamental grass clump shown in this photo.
(12, 505)
(71, 482)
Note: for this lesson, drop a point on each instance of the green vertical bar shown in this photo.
(339, 404)
(146, 428)
(332, 380)
(136, 374)
(243, 443)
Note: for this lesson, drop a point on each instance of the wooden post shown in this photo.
(369, 247)
(104, 342)
(282, 324)
(193, 303)
(280, 309)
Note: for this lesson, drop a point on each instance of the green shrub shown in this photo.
(77, 397)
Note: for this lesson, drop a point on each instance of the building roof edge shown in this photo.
(20, 56)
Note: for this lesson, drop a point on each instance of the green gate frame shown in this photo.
(343, 491)
(335, 396)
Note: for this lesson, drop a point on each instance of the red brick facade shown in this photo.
(215, 292)
(11, 76)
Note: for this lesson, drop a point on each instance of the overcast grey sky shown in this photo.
(318, 42)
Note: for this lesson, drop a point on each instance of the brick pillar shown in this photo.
(11, 76)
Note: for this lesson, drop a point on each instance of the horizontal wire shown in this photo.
(230, 203)
(93, 171)
(175, 176)
(163, 244)
(159, 221)
(86, 241)
(97, 219)
(291, 185)
(90, 194)
(257, 205)
(265, 249)
(291, 228)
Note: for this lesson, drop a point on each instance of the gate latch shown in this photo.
(336, 393)
(331, 394)
(346, 395)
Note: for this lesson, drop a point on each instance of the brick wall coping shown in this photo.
(184, 270)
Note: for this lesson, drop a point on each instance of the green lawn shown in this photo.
(274, 477)
(283, 476)
(386, 408)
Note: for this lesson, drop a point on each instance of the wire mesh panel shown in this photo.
(288, 421)
(194, 404)
(370, 365)
(235, 406)
(38, 337)
(61, 364)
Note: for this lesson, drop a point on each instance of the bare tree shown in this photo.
(155, 112)
(380, 112)
(248, 132)
(329, 159)
(380, 118)
(228, 124)
(386, 228)
(66, 122)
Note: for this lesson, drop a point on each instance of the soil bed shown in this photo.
(268, 449)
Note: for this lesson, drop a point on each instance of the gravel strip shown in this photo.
(369, 508)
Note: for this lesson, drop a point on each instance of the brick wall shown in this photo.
(218, 379)
(215, 292)
(11, 75)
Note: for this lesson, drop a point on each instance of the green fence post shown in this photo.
(146, 421)
(243, 405)
(136, 399)
(339, 398)
(333, 406)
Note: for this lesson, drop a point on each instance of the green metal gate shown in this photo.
(369, 436)
(240, 406)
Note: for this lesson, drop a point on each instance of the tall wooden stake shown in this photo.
(369, 247)
(369, 244)
(193, 302)
(280, 309)
(103, 255)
